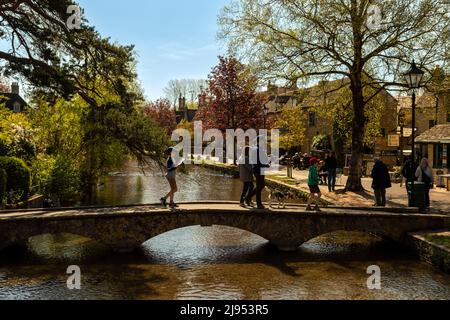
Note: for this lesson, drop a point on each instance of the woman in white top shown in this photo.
(424, 174)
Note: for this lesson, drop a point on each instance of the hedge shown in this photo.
(18, 175)
(2, 184)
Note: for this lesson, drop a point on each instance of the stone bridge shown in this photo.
(127, 227)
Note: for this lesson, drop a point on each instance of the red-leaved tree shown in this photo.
(163, 114)
(231, 100)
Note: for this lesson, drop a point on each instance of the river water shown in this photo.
(211, 263)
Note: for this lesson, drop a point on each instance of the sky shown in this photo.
(174, 39)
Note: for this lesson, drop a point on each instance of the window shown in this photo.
(438, 150)
(431, 124)
(312, 119)
(17, 107)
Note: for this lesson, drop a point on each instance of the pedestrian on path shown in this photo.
(331, 165)
(381, 182)
(424, 174)
(246, 175)
(171, 168)
(313, 184)
(408, 171)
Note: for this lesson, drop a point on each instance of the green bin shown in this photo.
(419, 195)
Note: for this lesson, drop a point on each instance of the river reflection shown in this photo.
(214, 262)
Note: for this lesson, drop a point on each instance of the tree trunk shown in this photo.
(358, 127)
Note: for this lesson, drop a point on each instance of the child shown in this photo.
(246, 175)
(313, 183)
(171, 177)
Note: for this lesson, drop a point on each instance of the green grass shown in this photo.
(439, 239)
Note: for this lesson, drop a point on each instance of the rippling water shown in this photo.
(214, 262)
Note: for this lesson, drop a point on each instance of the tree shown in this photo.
(163, 114)
(186, 88)
(41, 47)
(291, 121)
(231, 100)
(313, 39)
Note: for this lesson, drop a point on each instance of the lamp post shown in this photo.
(413, 78)
(266, 112)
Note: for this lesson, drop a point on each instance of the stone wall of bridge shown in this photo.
(126, 228)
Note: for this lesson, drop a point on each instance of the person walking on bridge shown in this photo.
(246, 175)
(171, 178)
(259, 173)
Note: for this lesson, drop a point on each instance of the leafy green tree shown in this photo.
(291, 122)
(316, 39)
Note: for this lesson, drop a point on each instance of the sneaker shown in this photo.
(163, 202)
(250, 204)
(242, 205)
(308, 208)
(173, 205)
(317, 209)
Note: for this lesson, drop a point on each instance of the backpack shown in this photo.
(425, 178)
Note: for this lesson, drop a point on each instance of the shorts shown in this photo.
(171, 175)
(314, 189)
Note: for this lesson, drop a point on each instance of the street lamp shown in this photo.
(413, 78)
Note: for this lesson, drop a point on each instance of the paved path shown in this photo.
(185, 208)
(396, 196)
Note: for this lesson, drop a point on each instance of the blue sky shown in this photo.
(174, 39)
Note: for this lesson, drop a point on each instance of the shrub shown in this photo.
(3, 178)
(18, 176)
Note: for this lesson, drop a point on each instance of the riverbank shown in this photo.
(432, 247)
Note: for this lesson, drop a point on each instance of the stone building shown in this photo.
(184, 112)
(433, 134)
(313, 98)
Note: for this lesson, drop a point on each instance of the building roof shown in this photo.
(10, 98)
(438, 134)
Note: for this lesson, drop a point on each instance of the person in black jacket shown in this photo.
(381, 182)
(258, 172)
(408, 171)
(331, 165)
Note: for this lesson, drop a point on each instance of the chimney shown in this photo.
(15, 88)
(181, 103)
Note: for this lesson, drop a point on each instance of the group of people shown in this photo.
(250, 173)
(410, 172)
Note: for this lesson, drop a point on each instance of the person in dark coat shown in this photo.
(408, 171)
(258, 172)
(331, 165)
(381, 182)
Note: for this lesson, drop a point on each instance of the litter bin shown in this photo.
(419, 195)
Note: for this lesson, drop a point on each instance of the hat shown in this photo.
(313, 161)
